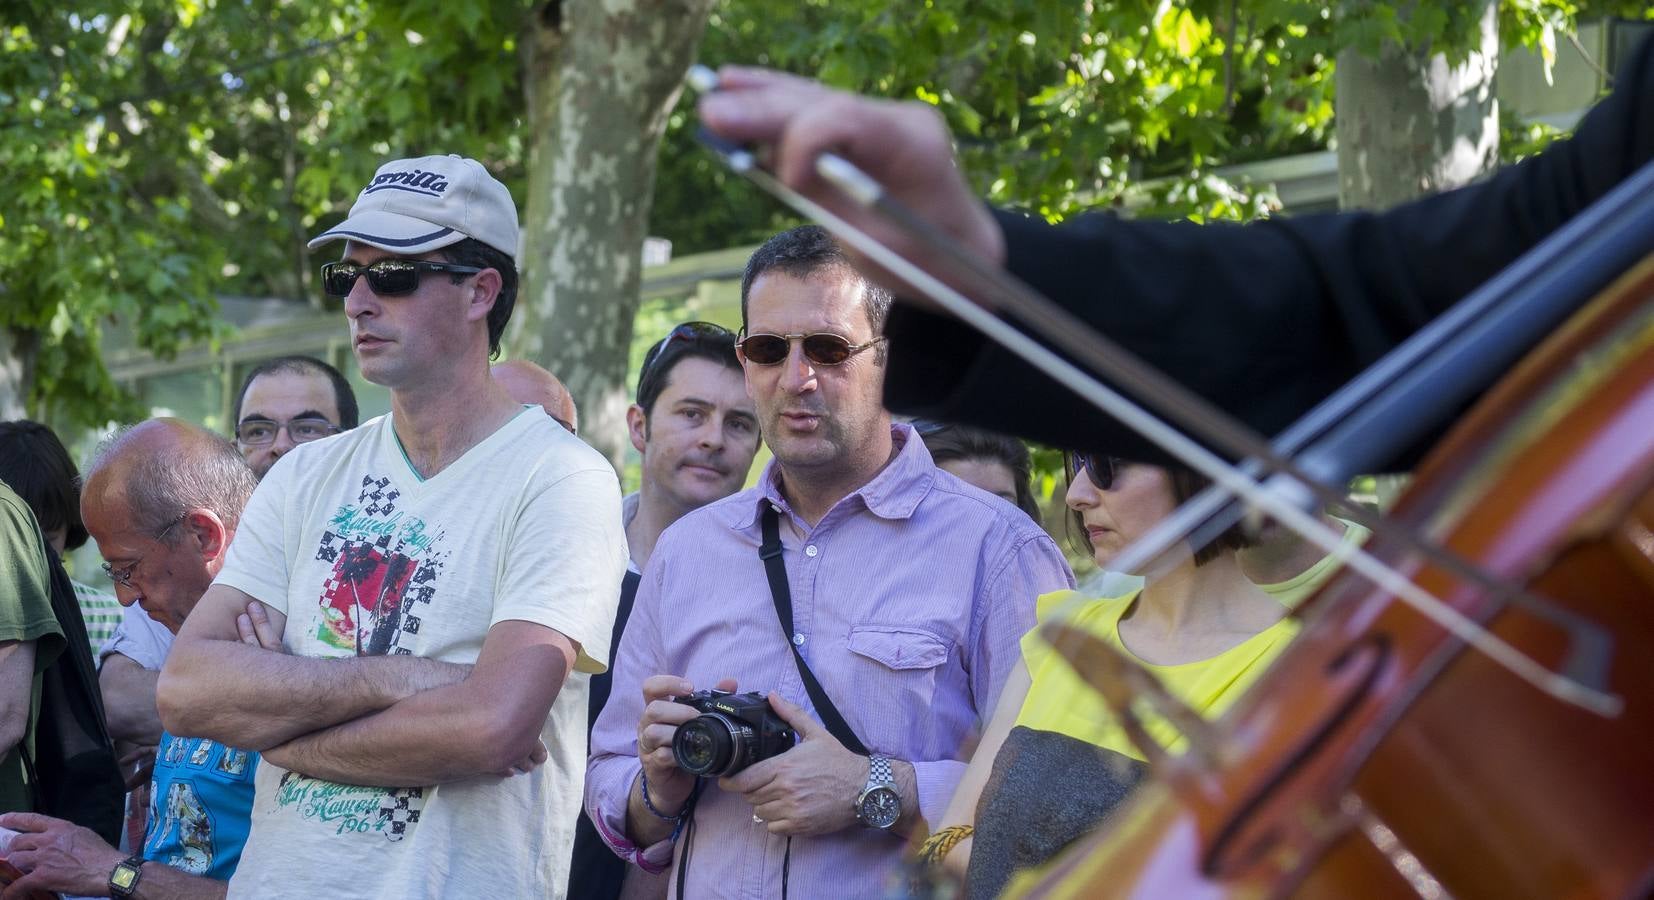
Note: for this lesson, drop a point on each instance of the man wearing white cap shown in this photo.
(431, 588)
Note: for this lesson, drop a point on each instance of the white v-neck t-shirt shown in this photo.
(365, 557)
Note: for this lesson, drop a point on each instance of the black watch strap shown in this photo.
(123, 880)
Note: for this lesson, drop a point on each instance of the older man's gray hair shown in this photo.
(169, 467)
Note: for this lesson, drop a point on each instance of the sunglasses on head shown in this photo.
(387, 277)
(1101, 469)
(821, 348)
(685, 333)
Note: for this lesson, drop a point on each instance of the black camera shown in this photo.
(732, 732)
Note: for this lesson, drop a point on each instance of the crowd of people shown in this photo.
(347, 641)
(438, 653)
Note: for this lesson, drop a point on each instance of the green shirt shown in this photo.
(25, 615)
(100, 611)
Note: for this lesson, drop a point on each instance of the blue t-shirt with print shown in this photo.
(200, 806)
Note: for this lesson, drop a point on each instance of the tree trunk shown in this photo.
(1409, 123)
(600, 79)
(17, 353)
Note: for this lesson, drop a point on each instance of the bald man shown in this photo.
(533, 385)
(162, 499)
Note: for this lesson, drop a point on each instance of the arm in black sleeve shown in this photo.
(1264, 320)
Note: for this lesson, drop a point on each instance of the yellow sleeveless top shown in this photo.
(1060, 701)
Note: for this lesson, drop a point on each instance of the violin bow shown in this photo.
(1284, 495)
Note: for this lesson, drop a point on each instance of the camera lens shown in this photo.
(702, 745)
(708, 745)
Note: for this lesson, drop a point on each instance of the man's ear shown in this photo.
(485, 289)
(637, 426)
(210, 532)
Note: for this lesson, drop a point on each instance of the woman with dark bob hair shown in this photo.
(35, 464)
(1054, 761)
(995, 463)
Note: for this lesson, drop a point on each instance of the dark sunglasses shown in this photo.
(686, 333)
(821, 348)
(387, 277)
(1101, 469)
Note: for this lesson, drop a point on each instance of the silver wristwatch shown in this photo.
(878, 805)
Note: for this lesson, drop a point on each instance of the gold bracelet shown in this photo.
(937, 847)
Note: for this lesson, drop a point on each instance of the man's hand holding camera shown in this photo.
(747, 741)
(809, 789)
(669, 786)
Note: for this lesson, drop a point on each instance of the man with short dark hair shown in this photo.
(163, 500)
(433, 579)
(908, 593)
(695, 427)
(698, 433)
(286, 402)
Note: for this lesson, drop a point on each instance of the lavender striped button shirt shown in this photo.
(909, 599)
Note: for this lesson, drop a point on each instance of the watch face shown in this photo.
(881, 807)
(124, 877)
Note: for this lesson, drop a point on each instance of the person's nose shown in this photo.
(798, 374)
(283, 441)
(1082, 494)
(711, 436)
(361, 301)
(126, 594)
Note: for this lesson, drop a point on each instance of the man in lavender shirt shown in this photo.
(910, 590)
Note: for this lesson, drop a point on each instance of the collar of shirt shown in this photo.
(628, 512)
(894, 493)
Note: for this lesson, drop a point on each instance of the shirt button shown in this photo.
(811, 551)
(798, 639)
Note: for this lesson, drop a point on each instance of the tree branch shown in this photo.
(1607, 76)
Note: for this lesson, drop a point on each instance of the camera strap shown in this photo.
(770, 552)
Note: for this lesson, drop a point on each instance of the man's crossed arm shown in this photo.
(379, 720)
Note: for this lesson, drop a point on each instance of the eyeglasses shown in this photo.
(255, 432)
(821, 348)
(688, 332)
(1102, 470)
(123, 576)
(387, 277)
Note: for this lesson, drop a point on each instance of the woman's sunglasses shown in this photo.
(387, 277)
(1101, 469)
(821, 348)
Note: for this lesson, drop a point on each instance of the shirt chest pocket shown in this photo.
(914, 702)
(899, 647)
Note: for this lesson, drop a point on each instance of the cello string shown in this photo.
(1212, 511)
(1235, 481)
(1229, 478)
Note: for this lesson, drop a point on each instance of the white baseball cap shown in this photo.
(414, 206)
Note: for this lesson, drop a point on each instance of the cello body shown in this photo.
(1380, 756)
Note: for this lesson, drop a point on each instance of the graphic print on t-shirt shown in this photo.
(350, 808)
(183, 811)
(200, 805)
(384, 578)
(385, 567)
